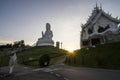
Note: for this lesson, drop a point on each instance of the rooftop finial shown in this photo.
(100, 6)
(96, 5)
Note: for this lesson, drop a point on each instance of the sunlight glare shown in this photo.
(70, 49)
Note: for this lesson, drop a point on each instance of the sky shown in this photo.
(25, 19)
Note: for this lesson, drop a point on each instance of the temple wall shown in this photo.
(100, 28)
(103, 22)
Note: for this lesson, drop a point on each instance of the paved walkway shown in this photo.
(82, 73)
(60, 71)
(27, 73)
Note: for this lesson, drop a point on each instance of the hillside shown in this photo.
(30, 57)
(103, 56)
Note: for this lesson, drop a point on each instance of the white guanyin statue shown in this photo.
(46, 39)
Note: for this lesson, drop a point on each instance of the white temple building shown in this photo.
(46, 39)
(100, 28)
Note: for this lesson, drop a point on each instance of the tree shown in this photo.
(19, 44)
(22, 43)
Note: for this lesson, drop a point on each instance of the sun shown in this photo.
(70, 49)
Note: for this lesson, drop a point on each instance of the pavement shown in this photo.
(81, 73)
(60, 71)
(27, 73)
(84, 73)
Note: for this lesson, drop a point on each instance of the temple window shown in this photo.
(102, 29)
(85, 43)
(90, 30)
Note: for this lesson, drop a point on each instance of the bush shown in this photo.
(4, 61)
(103, 56)
(44, 60)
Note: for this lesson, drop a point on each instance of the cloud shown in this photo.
(5, 41)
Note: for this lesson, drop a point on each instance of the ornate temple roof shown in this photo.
(96, 14)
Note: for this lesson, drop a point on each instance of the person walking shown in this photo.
(12, 62)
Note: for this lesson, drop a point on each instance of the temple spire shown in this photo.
(100, 6)
(96, 6)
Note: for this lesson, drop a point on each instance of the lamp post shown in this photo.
(61, 45)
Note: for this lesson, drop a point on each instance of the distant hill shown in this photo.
(30, 57)
(103, 56)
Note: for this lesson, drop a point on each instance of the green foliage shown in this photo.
(104, 56)
(4, 61)
(31, 57)
(18, 44)
(56, 59)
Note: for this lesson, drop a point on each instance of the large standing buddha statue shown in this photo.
(46, 39)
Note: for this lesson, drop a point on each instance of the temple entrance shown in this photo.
(95, 41)
(85, 43)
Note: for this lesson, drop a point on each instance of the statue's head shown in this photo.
(47, 26)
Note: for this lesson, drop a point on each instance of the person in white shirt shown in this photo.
(12, 62)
